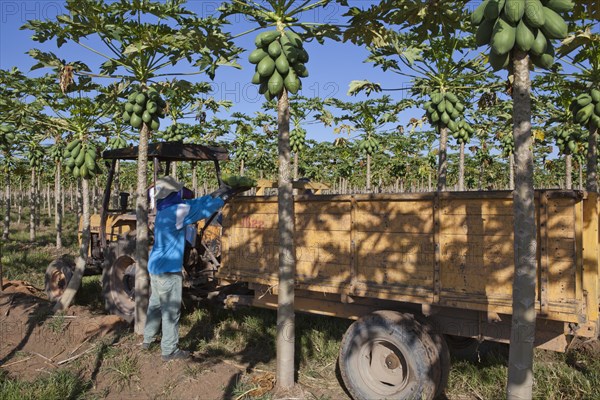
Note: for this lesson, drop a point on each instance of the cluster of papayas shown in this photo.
(173, 133)
(586, 109)
(297, 139)
(117, 142)
(369, 145)
(445, 109)
(80, 159)
(464, 132)
(280, 61)
(507, 143)
(36, 156)
(56, 152)
(568, 140)
(236, 182)
(7, 136)
(144, 106)
(530, 25)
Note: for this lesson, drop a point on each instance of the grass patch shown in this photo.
(60, 385)
(90, 293)
(123, 368)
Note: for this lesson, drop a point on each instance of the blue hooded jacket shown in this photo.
(169, 231)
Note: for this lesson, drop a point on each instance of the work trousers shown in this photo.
(164, 306)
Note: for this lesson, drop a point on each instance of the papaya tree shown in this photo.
(368, 117)
(582, 51)
(141, 43)
(424, 43)
(280, 59)
(520, 32)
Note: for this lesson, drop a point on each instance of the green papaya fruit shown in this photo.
(282, 65)
(295, 39)
(538, 47)
(484, 32)
(478, 14)
(554, 26)
(503, 37)
(257, 55)
(524, 37)
(560, 6)
(146, 116)
(514, 10)
(498, 61)
(265, 67)
(140, 99)
(256, 78)
(136, 121)
(274, 49)
(291, 82)
(534, 13)
(595, 95)
(264, 39)
(492, 9)
(275, 83)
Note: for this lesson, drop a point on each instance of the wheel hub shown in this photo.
(384, 369)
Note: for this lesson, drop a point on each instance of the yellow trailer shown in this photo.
(411, 267)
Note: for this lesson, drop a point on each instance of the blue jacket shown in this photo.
(169, 233)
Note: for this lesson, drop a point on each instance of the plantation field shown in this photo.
(89, 355)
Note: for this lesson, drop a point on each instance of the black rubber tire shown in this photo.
(390, 355)
(58, 275)
(118, 280)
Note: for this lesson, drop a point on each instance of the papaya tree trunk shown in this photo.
(520, 361)
(48, 201)
(592, 161)
(242, 167)
(296, 166)
(461, 168)
(116, 185)
(6, 224)
(569, 172)
(511, 172)
(368, 172)
(67, 297)
(195, 178)
(78, 202)
(141, 248)
(20, 202)
(287, 253)
(443, 159)
(58, 209)
(580, 167)
(32, 208)
(38, 200)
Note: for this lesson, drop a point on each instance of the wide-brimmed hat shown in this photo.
(165, 186)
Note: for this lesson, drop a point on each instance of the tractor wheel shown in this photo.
(118, 280)
(58, 275)
(390, 355)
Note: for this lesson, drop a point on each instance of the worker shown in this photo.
(174, 212)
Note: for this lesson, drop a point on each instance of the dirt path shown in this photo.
(102, 350)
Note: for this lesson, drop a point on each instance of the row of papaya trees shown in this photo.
(148, 46)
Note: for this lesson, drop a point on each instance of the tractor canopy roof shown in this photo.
(170, 151)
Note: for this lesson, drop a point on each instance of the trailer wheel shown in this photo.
(58, 275)
(118, 281)
(390, 355)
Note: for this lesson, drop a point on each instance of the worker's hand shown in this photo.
(226, 192)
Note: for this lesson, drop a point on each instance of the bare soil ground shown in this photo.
(102, 350)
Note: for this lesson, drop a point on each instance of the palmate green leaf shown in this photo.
(578, 40)
(355, 87)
